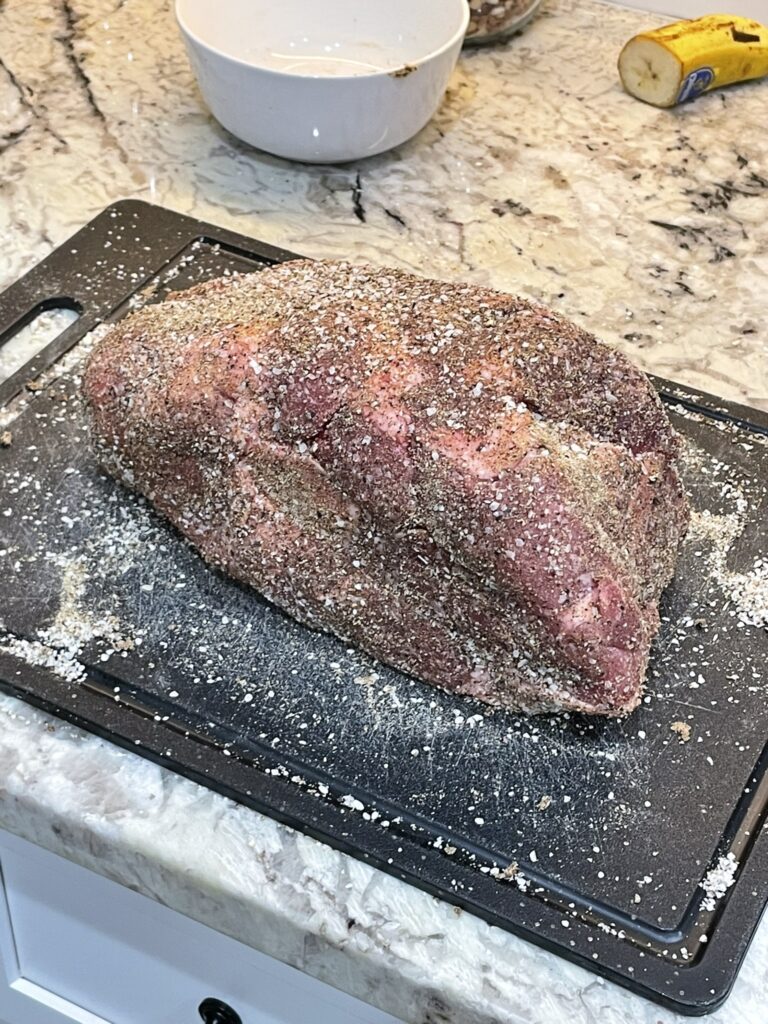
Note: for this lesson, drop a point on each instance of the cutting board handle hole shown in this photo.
(33, 331)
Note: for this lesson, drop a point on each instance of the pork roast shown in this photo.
(459, 482)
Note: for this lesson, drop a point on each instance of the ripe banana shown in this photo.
(679, 62)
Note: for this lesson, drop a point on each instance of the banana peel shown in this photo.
(679, 62)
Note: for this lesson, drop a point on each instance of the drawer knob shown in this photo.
(213, 1011)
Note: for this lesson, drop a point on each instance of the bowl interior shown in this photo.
(324, 37)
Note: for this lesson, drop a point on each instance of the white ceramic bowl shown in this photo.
(323, 81)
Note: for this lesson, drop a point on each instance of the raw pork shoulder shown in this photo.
(457, 481)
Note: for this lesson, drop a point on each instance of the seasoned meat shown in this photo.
(457, 481)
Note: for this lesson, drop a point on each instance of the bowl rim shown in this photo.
(457, 36)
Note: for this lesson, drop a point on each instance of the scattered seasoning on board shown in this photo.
(682, 729)
(747, 590)
(718, 881)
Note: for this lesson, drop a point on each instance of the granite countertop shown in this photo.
(538, 176)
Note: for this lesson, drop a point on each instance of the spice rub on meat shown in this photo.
(458, 481)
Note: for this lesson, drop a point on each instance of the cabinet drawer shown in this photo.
(77, 947)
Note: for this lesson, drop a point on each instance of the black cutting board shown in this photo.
(111, 621)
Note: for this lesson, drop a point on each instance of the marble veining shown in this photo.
(538, 176)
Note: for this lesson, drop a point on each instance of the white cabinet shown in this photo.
(75, 947)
